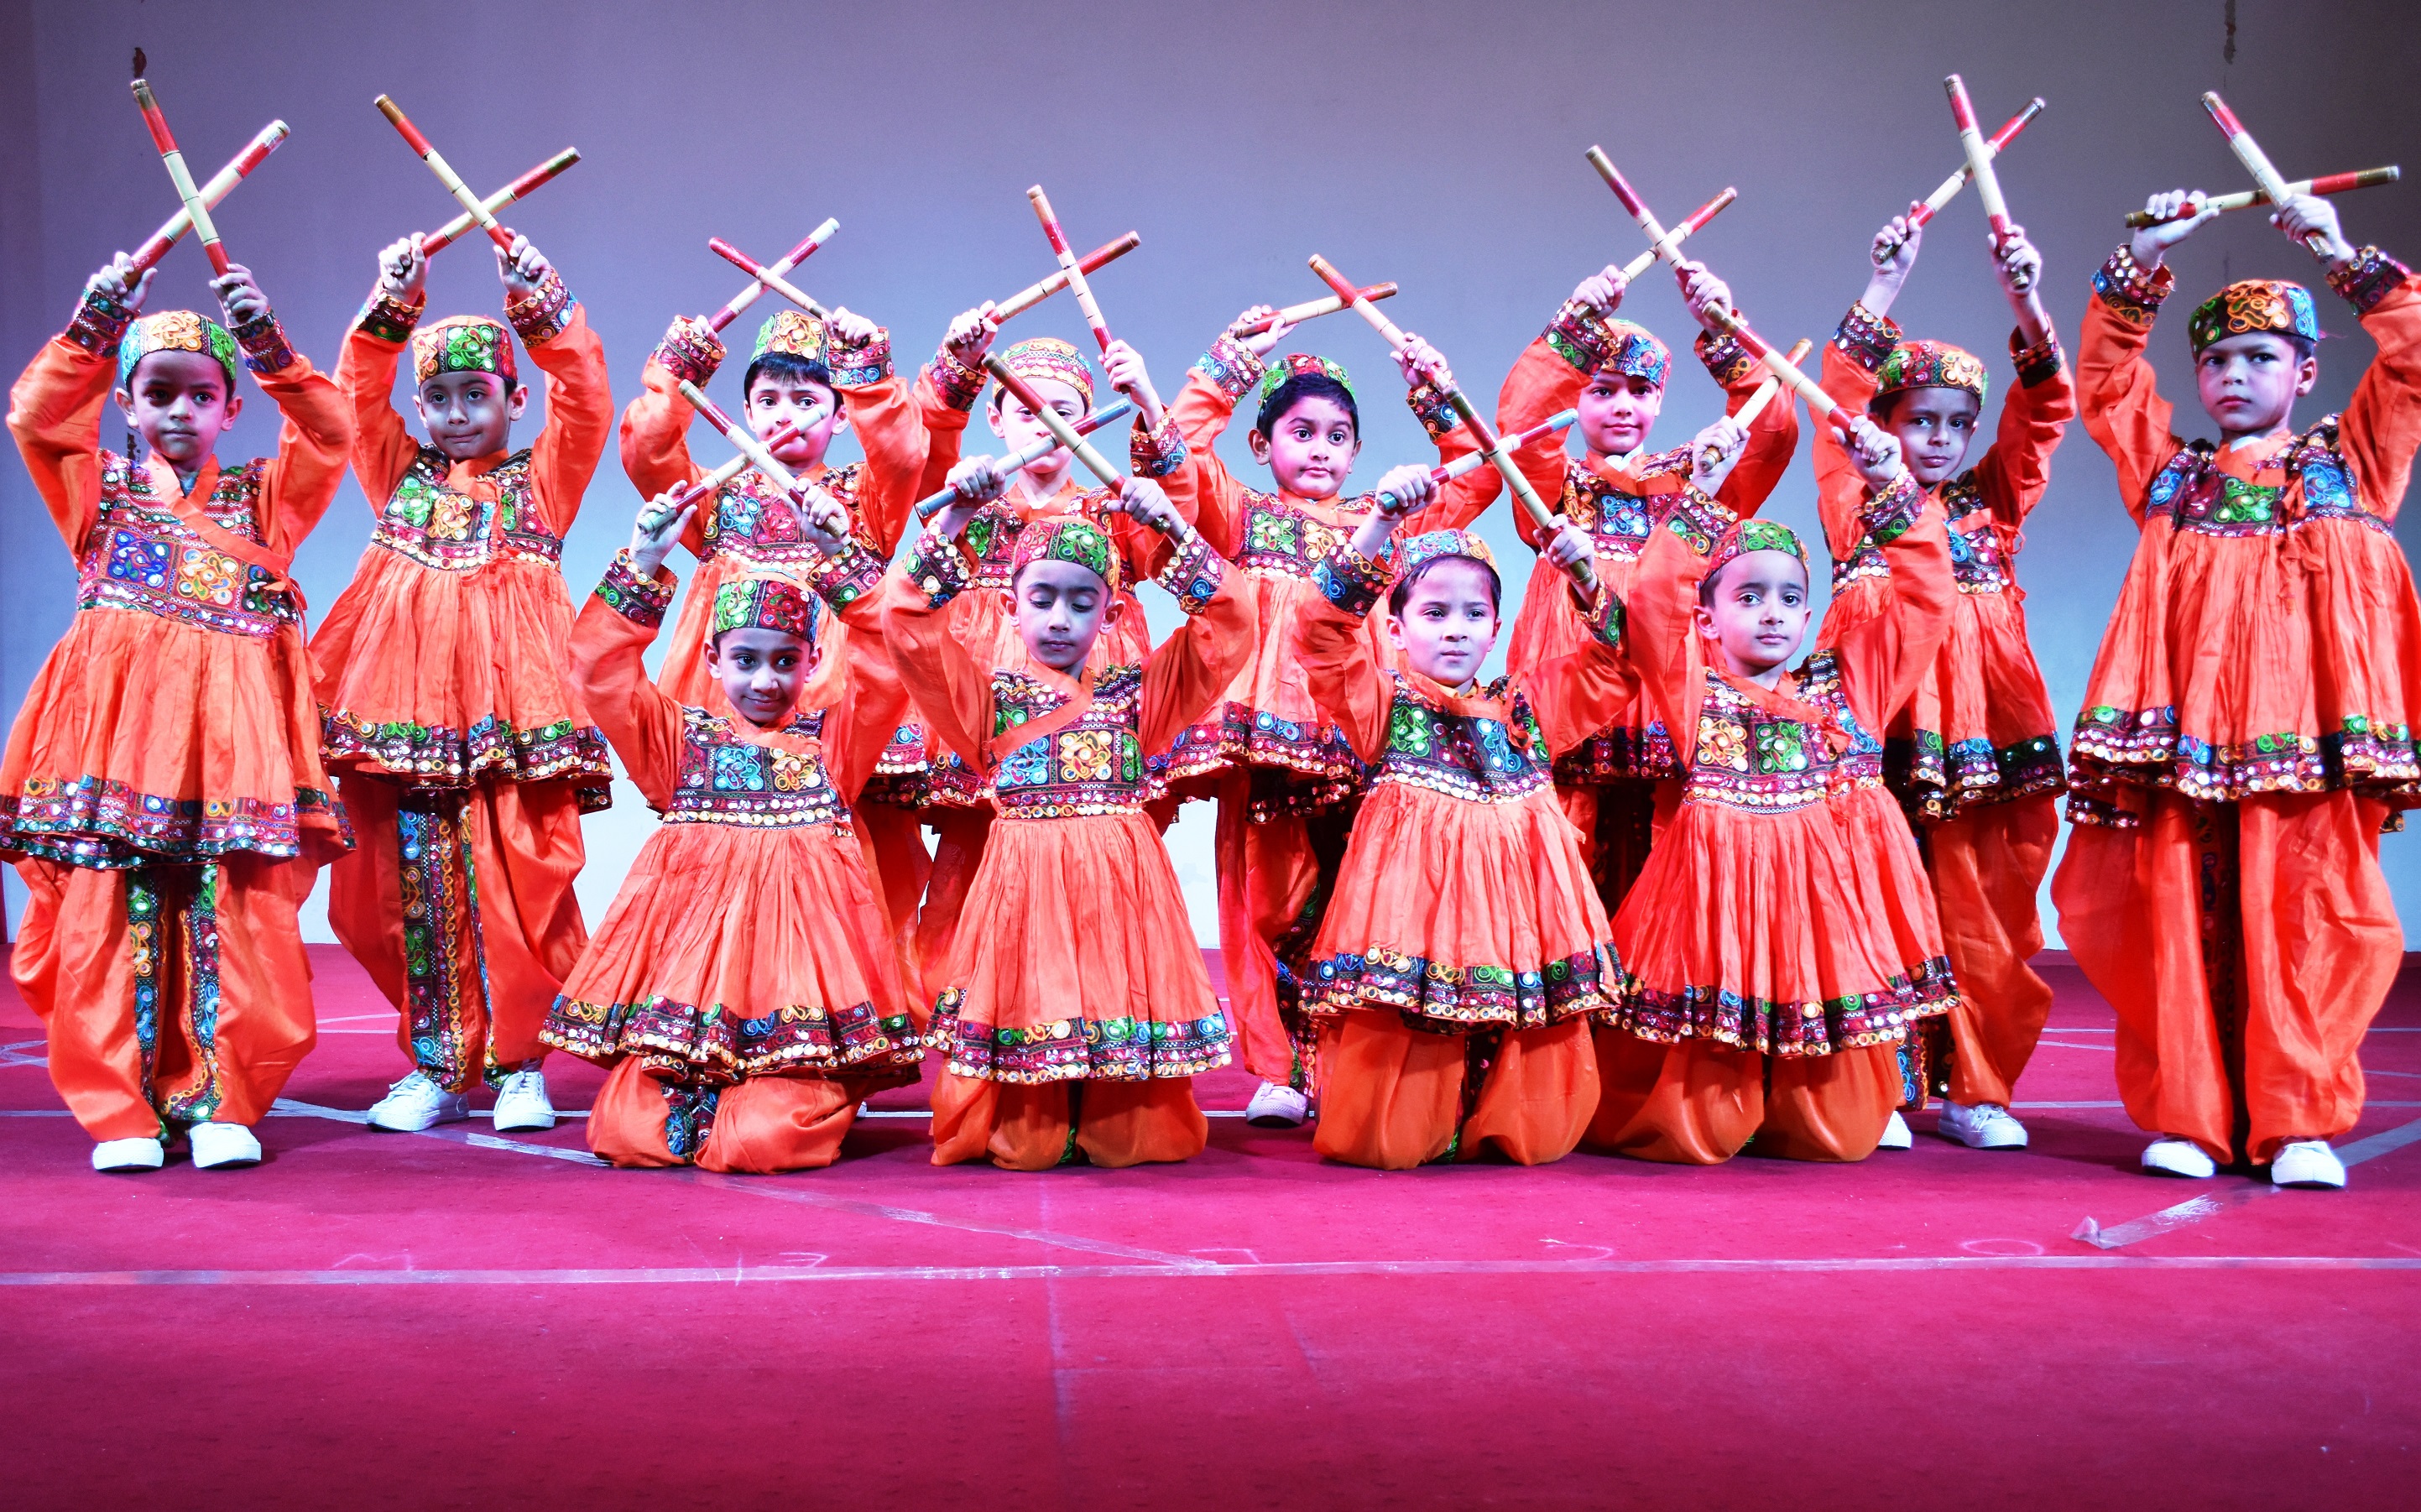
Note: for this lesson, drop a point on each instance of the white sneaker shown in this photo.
(218, 1146)
(128, 1155)
(1276, 1107)
(1895, 1134)
(416, 1104)
(2307, 1163)
(2171, 1155)
(1987, 1125)
(521, 1102)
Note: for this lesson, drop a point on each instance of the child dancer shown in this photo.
(1465, 947)
(1074, 1018)
(1781, 942)
(162, 795)
(2248, 728)
(739, 987)
(1974, 754)
(464, 761)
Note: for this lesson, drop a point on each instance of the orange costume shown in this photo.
(1607, 784)
(2248, 728)
(1284, 772)
(1465, 947)
(1974, 754)
(162, 795)
(738, 987)
(464, 761)
(1781, 942)
(1076, 1016)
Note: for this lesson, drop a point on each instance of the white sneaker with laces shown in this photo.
(1276, 1107)
(1986, 1126)
(128, 1155)
(2307, 1163)
(1895, 1134)
(416, 1104)
(2171, 1155)
(522, 1103)
(221, 1146)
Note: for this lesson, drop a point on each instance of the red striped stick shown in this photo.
(1052, 421)
(197, 214)
(766, 277)
(1069, 266)
(1787, 372)
(1473, 461)
(1017, 461)
(1993, 144)
(1312, 309)
(1674, 238)
(1660, 243)
(222, 183)
(2329, 183)
(1979, 160)
(446, 174)
(519, 188)
(758, 453)
(756, 290)
(698, 492)
(2257, 162)
(1091, 262)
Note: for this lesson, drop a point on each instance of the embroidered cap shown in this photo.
(1071, 538)
(1052, 358)
(175, 331)
(462, 344)
(1754, 535)
(1632, 350)
(794, 334)
(765, 600)
(1302, 365)
(1932, 365)
(2255, 304)
(1420, 551)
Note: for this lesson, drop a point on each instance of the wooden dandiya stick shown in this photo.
(1765, 392)
(1052, 421)
(1069, 267)
(1473, 461)
(446, 174)
(1018, 462)
(1091, 262)
(756, 290)
(1313, 309)
(783, 435)
(444, 235)
(221, 184)
(2257, 162)
(766, 277)
(1674, 238)
(1661, 243)
(1979, 159)
(1786, 370)
(2333, 183)
(1992, 144)
(1351, 296)
(756, 451)
(197, 214)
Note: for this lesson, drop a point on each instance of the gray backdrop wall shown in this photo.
(1435, 144)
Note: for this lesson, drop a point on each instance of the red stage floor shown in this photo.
(376, 1320)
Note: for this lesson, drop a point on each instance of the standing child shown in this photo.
(1974, 754)
(464, 761)
(739, 987)
(162, 795)
(2247, 731)
(1075, 1017)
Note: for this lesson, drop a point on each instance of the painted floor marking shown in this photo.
(2194, 1209)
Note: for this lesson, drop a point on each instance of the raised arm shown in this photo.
(54, 412)
(1578, 694)
(1332, 639)
(314, 439)
(1187, 672)
(579, 399)
(1200, 413)
(2034, 415)
(1851, 361)
(2383, 420)
(655, 427)
(383, 450)
(876, 699)
(1883, 658)
(890, 430)
(951, 691)
(2124, 413)
(605, 666)
(1660, 621)
(1546, 379)
(1773, 436)
(1460, 500)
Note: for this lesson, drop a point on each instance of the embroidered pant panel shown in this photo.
(2246, 947)
(646, 1117)
(1987, 866)
(1034, 1127)
(1618, 825)
(958, 835)
(1695, 1103)
(167, 992)
(459, 904)
(1393, 1097)
(1275, 879)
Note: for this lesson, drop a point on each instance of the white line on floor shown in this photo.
(2228, 1199)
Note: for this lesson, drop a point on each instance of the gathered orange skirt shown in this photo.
(1631, 747)
(1267, 717)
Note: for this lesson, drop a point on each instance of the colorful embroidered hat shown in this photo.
(1419, 551)
(1302, 365)
(1932, 365)
(765, 600)
(2251, 304)
(1052, 358)
(462, 344)
(1634, 351)
(1754, 535)
(1070, 539)
(791, 332)
(175, 331)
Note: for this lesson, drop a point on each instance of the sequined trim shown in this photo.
(140, 557)
(264, 344)
(1092, 766)
(1746, 755)
(445, 757)
(2039, 363)
(859, 365)
(1235, 734)
(1231, 366)
(939, 567)
(1867, 338)
(443, 527)
(2145, 748)
(640, 601)
(2368, 278)
(2131, 293)
(690, 351)
(847, 575)
(1433, 407)
(543, 314)
(958, 385)
(1159, 451)
(717, 1044)
(99, 324)
(1192, 575)
(388, 319)
(1434, 995)
(1937, 782)
(1352, 580)
(1893, 512)
(1077, 1050)
(1727, 361)
(94, 822)
(1726, 1017)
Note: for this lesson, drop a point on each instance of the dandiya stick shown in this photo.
(766, 277)
(1660, 243)
(756, 290)
(1783, 368)
(1766, 391)
(1674, 238)
(1353, 297)
(1017, 461)
(1979, 160)
(1313, 309)
(519, 188)
(783, 435)
(1065, 434)
(750, 447)
(1473, 461)
(1992, 144)
(444, 171)
(1091, 262)
(197, 214)
(222, 183)
(2333, 183)
(1069, 266)
(2257, 162)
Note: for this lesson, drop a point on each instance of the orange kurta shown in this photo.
(465, 755)
(162, 793)
(1464, 912)
(2246, 730)
(1085, 969)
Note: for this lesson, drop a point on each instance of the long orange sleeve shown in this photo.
(1578, 694)
(2382, 421)
(1340, 671)
(655, 438)
(1885, 656)
(383, 450)
(579, 415)
(1190, 670)
(1660, 631)
(605, 665)
(2016, 469)
(54, 415)
(2124, 413)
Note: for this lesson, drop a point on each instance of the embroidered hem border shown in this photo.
(1241, 735)
(108, 826)
(446, 757)
(1769, 1028)
(2145, 748)
(1451, 999)
(1936, 781)
(713, 1044)
(1077, 1050)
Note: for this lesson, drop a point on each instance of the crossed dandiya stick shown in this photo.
(753, 451)
(198, 211)
(2271, 186)
(1017, 461)
(221, 184)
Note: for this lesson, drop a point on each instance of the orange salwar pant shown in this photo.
(1272, 882)
(646, 1116)
(459, 904)
(1618, 825)
(1986, 864)
(1393, 1097)
(958, 836)
(893, 841)
(167, 992)
(1695, 1103)
(1035, 1126)
(2246, 947)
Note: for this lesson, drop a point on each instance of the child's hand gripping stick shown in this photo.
(2257, 162)
(2332, 183)
(1019, 460)
(197, 214)
(519, 188)
(1474, 461)
(446, 173)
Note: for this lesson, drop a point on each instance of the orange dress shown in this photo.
(1782, 941)
(2246, 732)
(464, 758)
(1974, 754)
(1085, 976)
(738, 987)
(162, 794)
(1465, 947)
